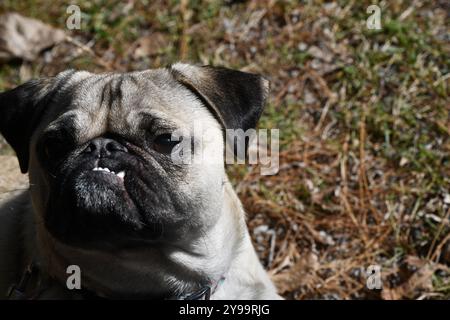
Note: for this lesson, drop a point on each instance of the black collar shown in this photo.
(32, 285)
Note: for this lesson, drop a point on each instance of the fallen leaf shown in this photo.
(24, 38)
(302, 273)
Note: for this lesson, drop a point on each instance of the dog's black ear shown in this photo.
(20, 110)
(235, 98)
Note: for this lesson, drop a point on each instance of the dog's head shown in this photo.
(98, 148)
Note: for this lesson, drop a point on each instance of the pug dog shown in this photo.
(107, 197)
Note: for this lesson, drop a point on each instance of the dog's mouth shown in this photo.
(108, 173)
(108, 176)
(120, 174)
(109, 168)
(114, 198)
(94, 203)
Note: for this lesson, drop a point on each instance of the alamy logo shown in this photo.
(74, 278)
(73, 22)
(374, 20)
(374, 277)
(257, 145)
(241, 147)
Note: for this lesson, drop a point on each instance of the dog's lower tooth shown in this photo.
(121, 174)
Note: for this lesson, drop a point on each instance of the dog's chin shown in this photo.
(96, 210)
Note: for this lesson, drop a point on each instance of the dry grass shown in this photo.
(364, 118)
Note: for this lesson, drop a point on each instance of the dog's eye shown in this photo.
(55, 145)
(53, 148)
(164, 143)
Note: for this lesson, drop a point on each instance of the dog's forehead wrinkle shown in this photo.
(156, 95)
(91, 102)
(64, 121)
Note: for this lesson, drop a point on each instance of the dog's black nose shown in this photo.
(104, 147)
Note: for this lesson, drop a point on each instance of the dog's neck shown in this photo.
(223, 252)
